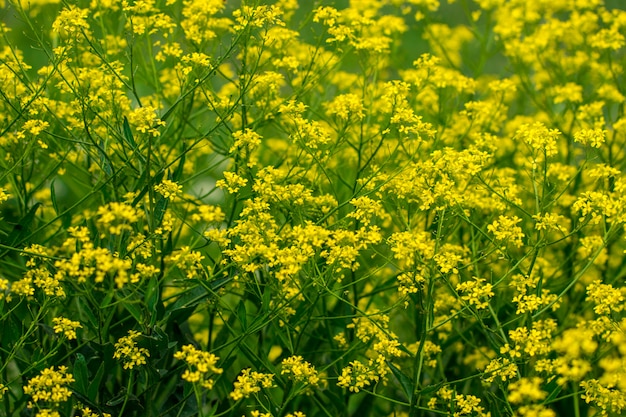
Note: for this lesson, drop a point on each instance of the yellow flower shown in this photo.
(50, 386)
(476, 293)
(300, 370)
(168, 189)
(505, 229)
(250, 382)
(201, 366)
(232, 182)
(126, 349)
(66, 326)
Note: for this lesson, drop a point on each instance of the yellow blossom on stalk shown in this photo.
(551, 221)
(505, 229)
(245, 139)
(539, 138)
(3, 390)
(591, 137)
(357, 376)
(259, 16)
(606, 298)
(570, 92)
(529, 303)
(209, 214)
(4, 196)
(71, 20)
(346, 107)
(197, 58)
(500, 368)
(34, 127)
(168, 189)
(464, 405)
(201, 366)
(607, 396)
(171, 49)
(188, 261)
(50, 386)
(608, 39)
(327, 15)
(88, 413)
(533, 342)
(257, 413)
(366, 210)
(476, 293)
(526, 389)
(145, 120)
(232, 182)
(4, 287)
(250, 382)
(200, 23)
(117, 217)
(23, 287)
(66, 326)
(299, 370)
(127, 351)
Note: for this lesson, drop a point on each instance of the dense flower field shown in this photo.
(315, 208)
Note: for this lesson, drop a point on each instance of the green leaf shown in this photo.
(151, 298)
(22, 228)
(94, 385)
(81, 375)
(128, 134)
(431, 388)
(134, 311)
(179, 169)
(53, 198)
(405, 381)
(159, 211)
(242, 315)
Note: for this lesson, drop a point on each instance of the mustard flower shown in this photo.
(606, 298)
(232, 182)
(505, 229)
(168, 188)
(250, 382)
(117, 217)
(66, 326)
(50, 386)
(201, 366)
(4, 196)
(526, 389)
(71, 20)
(127, 351)
(357, 376)
(605, 396)
(476, 292)
(145, 120)
(592, 137)
(299, 370)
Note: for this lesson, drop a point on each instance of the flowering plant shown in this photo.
(282, 208)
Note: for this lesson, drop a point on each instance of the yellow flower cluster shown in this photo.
(50, 386)
(168, 189)
(201, 366)
(66, 326)
(476, 292)
(299, 370)
(250, 382)
(128, 352)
